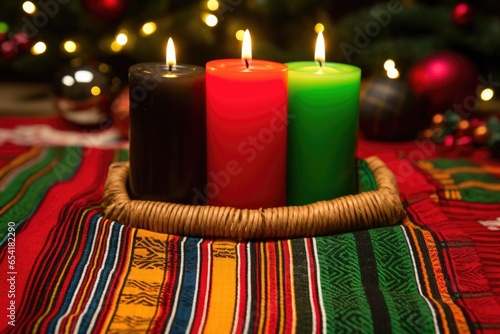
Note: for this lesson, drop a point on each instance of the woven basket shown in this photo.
(369, 209)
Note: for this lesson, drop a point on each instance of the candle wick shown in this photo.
(169, 68)
(320, 63)
(246, 62)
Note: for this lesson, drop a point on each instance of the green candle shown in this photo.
(322, 131)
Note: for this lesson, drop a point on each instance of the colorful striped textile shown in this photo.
(76, 271)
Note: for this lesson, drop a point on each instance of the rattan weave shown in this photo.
(368, 209)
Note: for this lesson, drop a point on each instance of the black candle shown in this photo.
(167, 132)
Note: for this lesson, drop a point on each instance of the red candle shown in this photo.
(246, 131)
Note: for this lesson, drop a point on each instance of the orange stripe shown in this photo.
(475, 184)
(114, 299)
(444, 296)
(222, 303)
(460, 322)
(425, 274)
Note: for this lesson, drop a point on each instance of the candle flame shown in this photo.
(171, 53)
(246, 49)
(319, 54)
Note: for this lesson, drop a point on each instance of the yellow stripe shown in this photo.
(113, 299)
(222, 303)
(281, 286)
(138, 303)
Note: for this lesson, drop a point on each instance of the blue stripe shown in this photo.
(78, 273)
(104, 277)
(187, 288)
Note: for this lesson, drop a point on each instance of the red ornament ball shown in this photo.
(445, 81)
(8, 50)
(463, 14)
(105, 10)
(22, 41)
(120, 109)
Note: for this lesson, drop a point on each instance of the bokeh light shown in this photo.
(148, 28)
(29, 7)
(38, 48)
(212, 4)
(239, 35)
(70, 46)
(210, 20)
(487, 94)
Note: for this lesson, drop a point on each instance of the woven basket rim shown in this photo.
(374, 208)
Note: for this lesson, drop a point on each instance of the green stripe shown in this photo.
(451, 163)
(478, 195)
(123, 155)
(15, 185)
(344, 299)
(64, 169)
(409, 313)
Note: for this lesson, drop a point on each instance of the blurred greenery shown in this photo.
(282, 30)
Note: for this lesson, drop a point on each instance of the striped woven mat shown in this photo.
(75, 271)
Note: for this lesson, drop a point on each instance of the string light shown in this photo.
(38, 48)
(148, 28)
(390, 67)
(69, 46)
(29, 7)
(115, 47)
(487, 94)
(239, 35)
(319, 28)
(212, 4)
(389, 64)
(393, 73)
(210, 20)
(122, 38)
